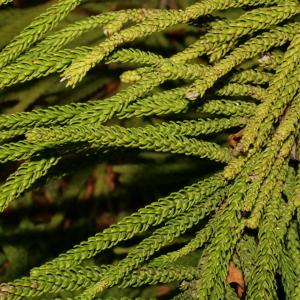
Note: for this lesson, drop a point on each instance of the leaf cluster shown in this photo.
(221, 108)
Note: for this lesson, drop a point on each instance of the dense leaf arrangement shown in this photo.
(237, 77)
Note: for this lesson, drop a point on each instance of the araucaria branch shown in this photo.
(107, 105)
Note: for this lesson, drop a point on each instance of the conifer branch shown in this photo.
(289, 259)
(289, 278)
(228, 107)
(293, 245)
(11, 134)
(64, 36)
(36, 30)
(228, 32)
(197, 242)
(25, 176)
(289, 127)
(246, 250)
(128, 92)
(117, 136)
(147, 247)
(165, 19)
(81, 277)
(158, 104)
(236, 226)
(296, 292)
(227, 232)
(79, 68)
(252, 76)
(151, 215)
(275, 37)
(135, 56)
(277, 175)
(36, 67)
(100, 112)
(271, 239)
(286, 75)
(18, 151)
(242, 90)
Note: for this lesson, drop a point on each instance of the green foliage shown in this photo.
(202, 95)
(5, 1)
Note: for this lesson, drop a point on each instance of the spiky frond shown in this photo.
(105, 106)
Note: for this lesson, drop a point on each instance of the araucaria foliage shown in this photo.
(173, 125)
